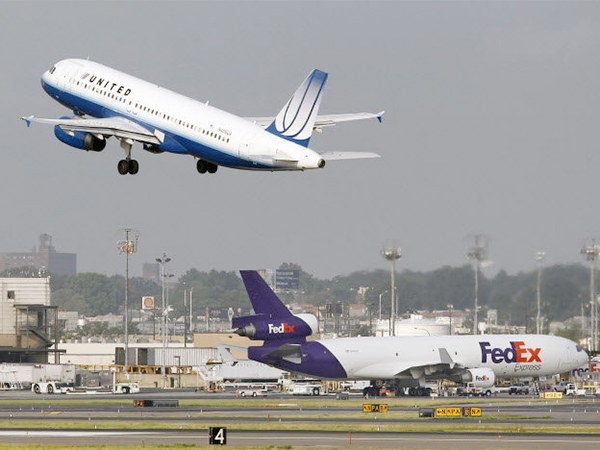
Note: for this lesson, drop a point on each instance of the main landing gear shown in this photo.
(127, 165)
(205, 166)
(130, 166)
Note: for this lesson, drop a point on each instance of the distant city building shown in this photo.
(26, 320)
(68, 320)
(45, 258)
(151, 272)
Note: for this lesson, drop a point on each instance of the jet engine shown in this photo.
(261, 327)
(480, 377)
(80, 139)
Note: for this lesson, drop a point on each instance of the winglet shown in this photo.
(27, 120)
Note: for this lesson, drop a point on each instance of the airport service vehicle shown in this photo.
(306, 389)
(573, 391)
(477, 359)
(518, 389)
(51, 387)
(561, 387)
(252, 392)
(108, 103)
(471, 390)
(54, 387)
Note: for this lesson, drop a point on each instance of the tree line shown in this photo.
(565, 290)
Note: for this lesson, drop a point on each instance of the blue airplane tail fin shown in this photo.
(296, 120)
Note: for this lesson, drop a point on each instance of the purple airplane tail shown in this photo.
(271, 320)
(263, 299)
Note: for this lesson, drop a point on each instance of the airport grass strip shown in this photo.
(428, 425)
(291, 403)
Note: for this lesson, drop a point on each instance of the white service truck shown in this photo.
(54, 387)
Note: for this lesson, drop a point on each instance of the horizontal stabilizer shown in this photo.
(333, 156)
(325, 120)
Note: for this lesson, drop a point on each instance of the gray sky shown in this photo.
(490, 127)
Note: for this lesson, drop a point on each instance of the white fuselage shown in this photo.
(505, 355)
(181, 124)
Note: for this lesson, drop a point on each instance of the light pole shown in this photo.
(450, 307)
(591, 252)
(477, 254)
(191, 311)
(392, 253)
(178, 358)
(539, 257)
(129, 247)
(162, 261)
(381, 295)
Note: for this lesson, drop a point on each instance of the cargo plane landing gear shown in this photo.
(205, 166)
(127, 165)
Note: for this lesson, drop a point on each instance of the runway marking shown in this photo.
(444, 439)
(71, 433)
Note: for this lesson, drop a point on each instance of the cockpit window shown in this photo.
(579, 349)
(52, 70)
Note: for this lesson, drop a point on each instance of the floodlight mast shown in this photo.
(129, 247)
(163, 261)
(539, 257)
(477, 254)
(591, 253)
(392, 253)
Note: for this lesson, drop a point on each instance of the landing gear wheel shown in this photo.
(134, 167)
(123, 167)
(212, 168)
(202, 166)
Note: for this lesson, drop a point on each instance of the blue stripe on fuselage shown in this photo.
(173, 143)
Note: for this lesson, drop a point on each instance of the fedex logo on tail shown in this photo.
(283, 328)
(516, 353)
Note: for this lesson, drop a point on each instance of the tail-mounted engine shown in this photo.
(261, 327)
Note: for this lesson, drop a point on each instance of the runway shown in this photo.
(284, 420)
(304, 439)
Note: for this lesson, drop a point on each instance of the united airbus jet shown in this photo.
(395, 360)
(108, 103)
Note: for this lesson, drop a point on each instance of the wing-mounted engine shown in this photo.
(79, 139)
(480, 377)
(265, 328)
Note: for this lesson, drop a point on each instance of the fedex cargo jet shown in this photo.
(479, 359)
(106, 102)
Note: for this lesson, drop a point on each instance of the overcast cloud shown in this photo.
(491, 127)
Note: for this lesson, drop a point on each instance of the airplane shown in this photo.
(233, 369)
(106, 102)
(395, 360)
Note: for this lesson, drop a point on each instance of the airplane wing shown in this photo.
(443, 367)
(324, 120)
(119, 127)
